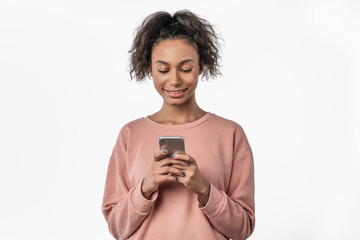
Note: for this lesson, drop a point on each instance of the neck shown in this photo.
(178, 114)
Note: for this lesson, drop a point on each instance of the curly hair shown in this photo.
(182, 25)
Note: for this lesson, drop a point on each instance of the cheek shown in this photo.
(192, 80)
(158, 83)
(158, 77)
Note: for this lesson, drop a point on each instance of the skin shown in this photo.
(179, 62)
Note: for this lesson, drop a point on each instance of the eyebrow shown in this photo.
(181, 63)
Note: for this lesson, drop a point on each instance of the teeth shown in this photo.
(175, 92)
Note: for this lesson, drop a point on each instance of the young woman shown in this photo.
(205, 193)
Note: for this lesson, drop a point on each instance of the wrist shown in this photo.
(204, 194)
(146, 191)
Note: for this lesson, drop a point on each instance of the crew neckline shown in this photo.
(178, 126)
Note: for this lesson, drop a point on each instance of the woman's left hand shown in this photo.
(191, 176)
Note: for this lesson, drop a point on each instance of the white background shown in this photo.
(290, 79)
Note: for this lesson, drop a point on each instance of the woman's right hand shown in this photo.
(159, 172)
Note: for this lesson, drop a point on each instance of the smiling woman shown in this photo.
(206, 192)
(175, 69)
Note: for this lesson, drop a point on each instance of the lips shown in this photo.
(176, 93)
(176, 90)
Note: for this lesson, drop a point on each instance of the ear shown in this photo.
(201, 68)
(150, 69)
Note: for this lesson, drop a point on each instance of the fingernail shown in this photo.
(176, 178)
(186, 163)
(172, 156)
(164, 151)
(183, 174)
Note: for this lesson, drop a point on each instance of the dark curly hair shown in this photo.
(182, 25)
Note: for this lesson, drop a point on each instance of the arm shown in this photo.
(233, 213)
(124, 206)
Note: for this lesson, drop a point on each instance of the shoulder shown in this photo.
(226, 123)
(234, 130)
(134, 124)
(230, 129)
(132, 127)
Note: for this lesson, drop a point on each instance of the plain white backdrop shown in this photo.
(290, 79)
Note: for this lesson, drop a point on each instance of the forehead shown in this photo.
(173, 51)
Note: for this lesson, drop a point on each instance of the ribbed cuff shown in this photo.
(140, 203)
(215, 202)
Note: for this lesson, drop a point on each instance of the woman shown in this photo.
(205, 193)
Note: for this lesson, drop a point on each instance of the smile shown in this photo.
(176, 94)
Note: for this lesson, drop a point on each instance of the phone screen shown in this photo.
(172, 143)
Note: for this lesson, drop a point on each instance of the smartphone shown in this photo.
(172, 143)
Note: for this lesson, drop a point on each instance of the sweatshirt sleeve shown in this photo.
(124, 207)
(233, 212)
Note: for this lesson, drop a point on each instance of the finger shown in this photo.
(167, 169)
(168, 178)
(169, 161)
(158, 155)
(182, 156)
(181, 179)
(180, 167)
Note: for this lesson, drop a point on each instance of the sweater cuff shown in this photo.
(140, 203)
(214, 204)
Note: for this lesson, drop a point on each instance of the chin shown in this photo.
(175, 103)
(178, 102)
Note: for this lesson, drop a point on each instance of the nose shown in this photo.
(175, 79)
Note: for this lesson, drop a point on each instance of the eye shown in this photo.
(162, 71)
(188, 70)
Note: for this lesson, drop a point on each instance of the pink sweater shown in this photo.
(224, 157)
